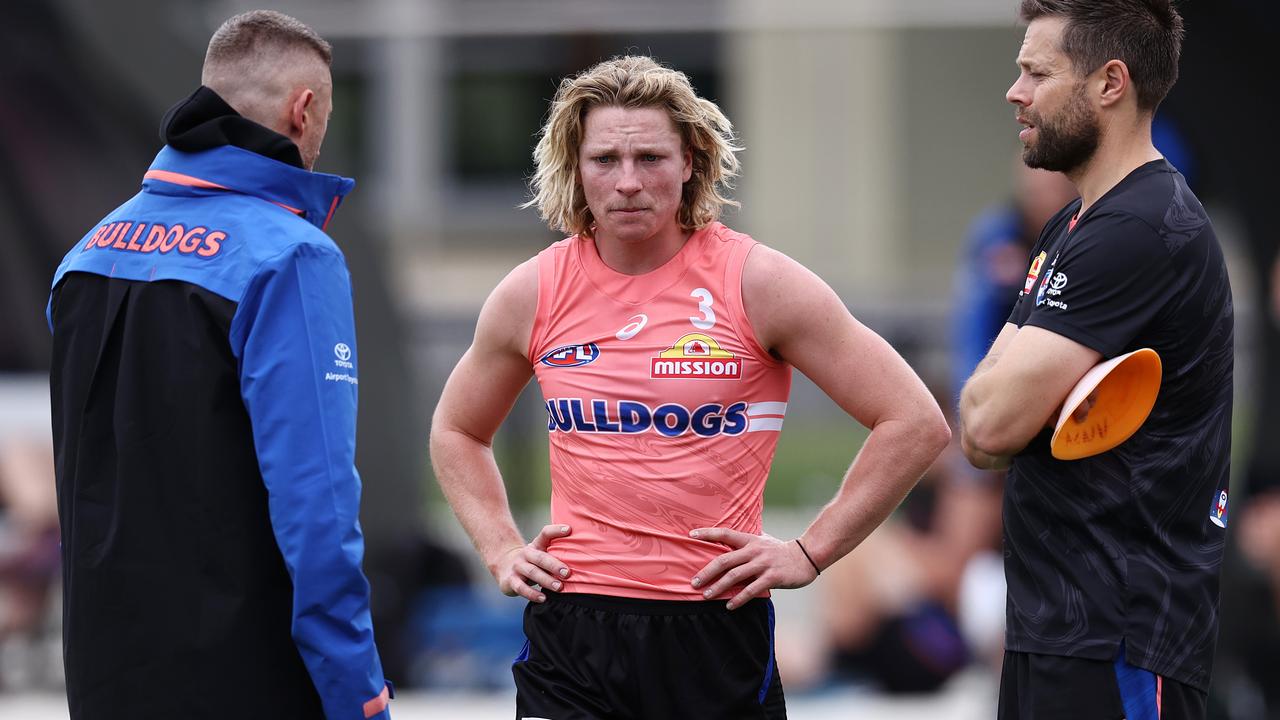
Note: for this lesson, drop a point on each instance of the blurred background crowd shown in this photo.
(879, 151)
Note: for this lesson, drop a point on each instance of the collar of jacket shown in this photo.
(313, 196)
(203, 121)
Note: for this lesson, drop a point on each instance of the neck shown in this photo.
(637, 257)
(1120, 152)
(204, 120)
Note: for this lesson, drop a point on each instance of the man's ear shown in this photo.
(1115, 81)
(298, 111)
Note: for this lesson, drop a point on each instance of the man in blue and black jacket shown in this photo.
(204, 412)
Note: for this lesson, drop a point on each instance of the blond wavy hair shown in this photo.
(632, 82)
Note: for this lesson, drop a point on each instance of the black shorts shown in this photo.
(1053, 687)
(591, 657)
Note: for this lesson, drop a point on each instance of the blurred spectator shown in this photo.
(1275, 294)
(1249, 650)
(996, 254)
(991, 272)
(28, 555)
(994, 262)
(891, 606)
(404, 574)
(1249, 646)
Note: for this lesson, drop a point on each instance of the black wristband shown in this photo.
(806, 557)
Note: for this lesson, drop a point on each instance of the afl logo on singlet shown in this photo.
(572, 355)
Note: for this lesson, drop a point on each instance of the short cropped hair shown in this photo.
(257, 31)
(1146, 35)
(632, 82)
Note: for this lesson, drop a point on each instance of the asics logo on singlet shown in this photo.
(634, 326)
(630, 417)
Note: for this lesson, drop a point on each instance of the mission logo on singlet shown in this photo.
(695, 355)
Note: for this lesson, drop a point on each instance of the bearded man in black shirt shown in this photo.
(1112, 561)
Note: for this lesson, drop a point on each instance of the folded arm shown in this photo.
(1017, 390)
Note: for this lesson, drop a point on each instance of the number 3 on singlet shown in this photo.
(708, 319)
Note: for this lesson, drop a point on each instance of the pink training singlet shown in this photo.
(663, 411)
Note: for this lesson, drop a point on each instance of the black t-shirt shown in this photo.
(1125, 546)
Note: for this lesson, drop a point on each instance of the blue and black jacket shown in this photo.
(204, 415)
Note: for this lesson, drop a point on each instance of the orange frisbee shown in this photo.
(1126, 387)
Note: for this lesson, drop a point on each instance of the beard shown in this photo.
(1067, 141)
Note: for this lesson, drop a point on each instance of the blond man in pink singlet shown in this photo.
(663, 343)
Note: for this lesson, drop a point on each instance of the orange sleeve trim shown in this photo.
(189, 181)
(378, 704)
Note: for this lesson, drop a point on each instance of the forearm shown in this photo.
(977, 414)
(971, 398)
(894, 457)
(975, 392)
(472, 484)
